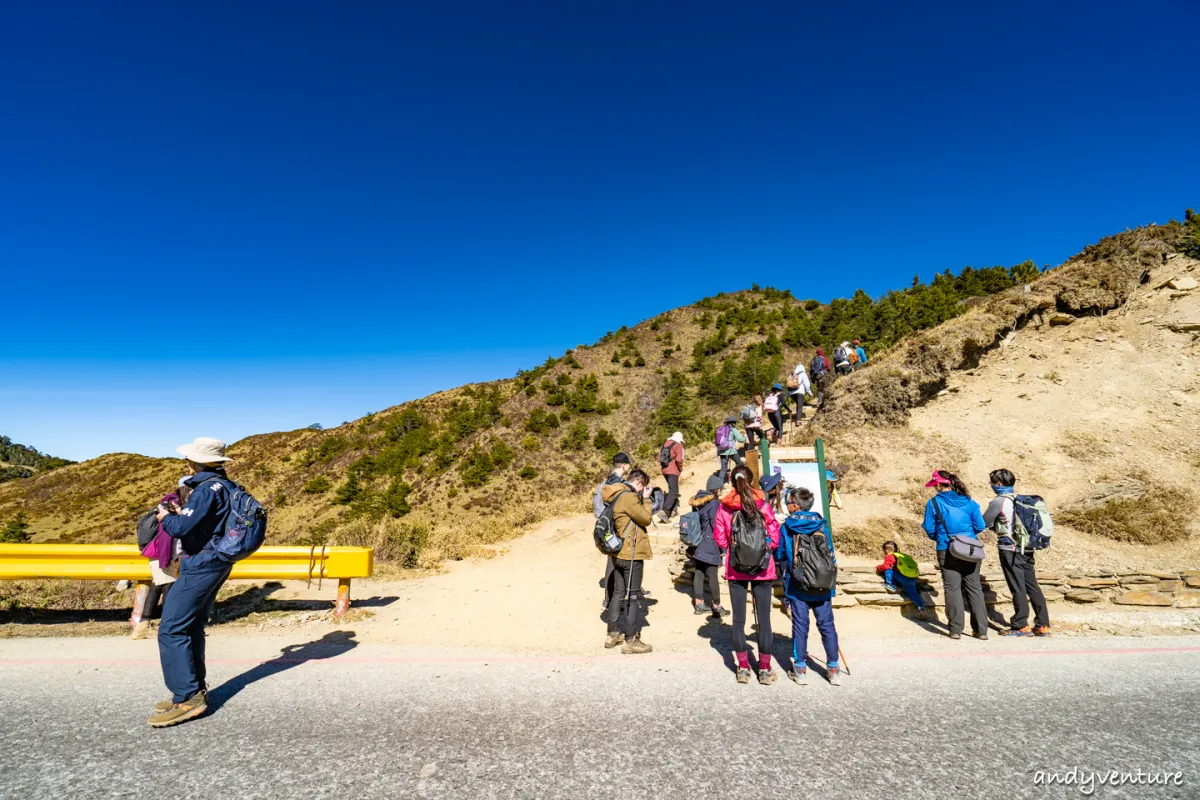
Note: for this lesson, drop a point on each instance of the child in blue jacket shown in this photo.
(803, 521)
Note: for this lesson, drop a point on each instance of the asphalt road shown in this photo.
(335, 719)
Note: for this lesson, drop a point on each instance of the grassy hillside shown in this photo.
(436, 477)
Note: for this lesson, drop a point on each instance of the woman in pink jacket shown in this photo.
(745, 508)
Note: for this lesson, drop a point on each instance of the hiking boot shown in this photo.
(799, 676)
(702, 608)
(767, 676)
(743, 675)
(835, 677)
(1026, 631)
(141, 630)
(176, 713)
(613, 639)
(1041, 630)
(635, 646)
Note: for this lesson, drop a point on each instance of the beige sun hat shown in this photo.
(204, 451)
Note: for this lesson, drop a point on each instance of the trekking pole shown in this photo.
(845, 665)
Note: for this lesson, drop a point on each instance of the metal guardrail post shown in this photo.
(343, 598)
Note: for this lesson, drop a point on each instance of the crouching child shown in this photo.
(810, 568)
(900, 572)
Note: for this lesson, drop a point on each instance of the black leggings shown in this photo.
(621, 615)
(151, 608)
(709, 572)
(762, 614)
(776, 418)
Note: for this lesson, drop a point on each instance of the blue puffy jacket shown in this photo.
(801, 523)
(962, 516)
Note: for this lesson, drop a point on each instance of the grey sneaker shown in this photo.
(799, 676)
(701, 609)
(835, 677)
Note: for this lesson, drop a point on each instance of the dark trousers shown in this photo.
(960, 576)
(706, 572)
(181, 632)
(752, 435)
(823, 611)
(776, 418)
(672, 499)
(738, 591)
(607, 580)
(624, 613)
(1021, 575)
(735, 459)
(798, 411)
(150, 608)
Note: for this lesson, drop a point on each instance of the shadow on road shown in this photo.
(331, 645)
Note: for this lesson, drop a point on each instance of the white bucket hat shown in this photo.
(204, 451)
(677, 436)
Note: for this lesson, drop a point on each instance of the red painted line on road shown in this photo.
(347, 659)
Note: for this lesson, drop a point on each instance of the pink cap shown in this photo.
(938, 480)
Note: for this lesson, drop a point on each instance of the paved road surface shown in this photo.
(336, 719)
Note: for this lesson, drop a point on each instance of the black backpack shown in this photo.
(607, 540)
(664, 455)
(813, 569)
(147, 528)
(749, 553)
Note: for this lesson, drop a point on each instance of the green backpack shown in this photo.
(907, 565)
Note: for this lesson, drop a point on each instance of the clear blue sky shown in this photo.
(241, 217)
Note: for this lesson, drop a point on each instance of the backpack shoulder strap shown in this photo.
(937, 512)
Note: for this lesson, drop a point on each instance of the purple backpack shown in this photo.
(723, 438)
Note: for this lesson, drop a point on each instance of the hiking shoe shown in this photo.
(956, 636)
(176, 713)
(835, 677)
(163, 705)
(767, 676)
(1041, 630)
(981, 636)
(799, 676)
(887, 587)
(141, 630)
(719, 612)
(702, 608)
(743, 675)
(1017, 632)
(613, 639)
(635, 646)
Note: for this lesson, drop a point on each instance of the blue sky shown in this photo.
(232, 218)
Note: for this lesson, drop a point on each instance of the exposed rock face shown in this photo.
(1144, 599)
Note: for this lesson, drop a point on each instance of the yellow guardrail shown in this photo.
(103, 562)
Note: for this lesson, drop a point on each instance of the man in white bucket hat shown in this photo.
(202, 572)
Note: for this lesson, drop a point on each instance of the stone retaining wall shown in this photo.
(861, 586)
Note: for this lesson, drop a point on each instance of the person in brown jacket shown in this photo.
(631, 515)
(671, 460)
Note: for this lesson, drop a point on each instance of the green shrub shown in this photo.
(16, 529)
(606, 443)
(476, 467)
(349, 491)
(528, 472)
(318, 485)
(540, 421)
(576, 438)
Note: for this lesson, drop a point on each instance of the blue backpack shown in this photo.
(245, 526)
(690, 530)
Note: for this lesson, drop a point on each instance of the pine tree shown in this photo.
(16, 529)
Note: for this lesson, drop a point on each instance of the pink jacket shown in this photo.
(730, 505)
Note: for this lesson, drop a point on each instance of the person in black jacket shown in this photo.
(708, 556)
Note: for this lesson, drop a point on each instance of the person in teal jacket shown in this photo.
(951, 512)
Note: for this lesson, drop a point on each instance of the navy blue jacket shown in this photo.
(961, 514)
(801, 523)
(201, 521)
(707, 551)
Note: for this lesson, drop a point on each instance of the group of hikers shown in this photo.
(756, 532)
